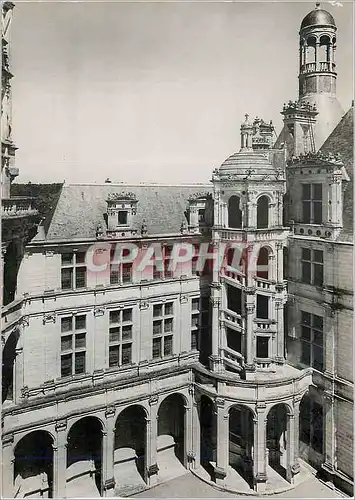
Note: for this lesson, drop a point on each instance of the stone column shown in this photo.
(215, 302)
(108, 445)
(60, 461)
(196, 431)
(222, 458)
(290, 444)
(260, 476)
(250, 309)
(295, 467)
(8, 457)
(188, 454)
(316, 55)
(279, 352)
(329, 434)
(151, 444)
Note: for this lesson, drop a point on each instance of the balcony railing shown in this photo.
(18, 206)
(265, 325)
(232, 358)
(230, 272)
(324, 66)
(262, 363)
(310, 67)
(264, 284)
(234, 318)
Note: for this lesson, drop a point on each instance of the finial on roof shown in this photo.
(317, 5)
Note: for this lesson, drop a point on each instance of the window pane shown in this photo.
(194, 340)
(127, 273)
(122, 217)
(157, 327)
(67, 258)
(127, 332)
(80, 258)
(80, 340)
(194, 320)
(306, 254)
(80, 322)
(66, 365)
(169, 308)
(318, 256)
(157, 274)
(114, 274)
(317, 322)
(80, 277)
(157, 348)
(318, 338)
(318, 357)
(115, 316)
(157, 310)
(168, 272)
(168, 345)
(195, 304)
(306, 191)
(262, 347)
(114, 356)
(306, 208)
(168, 325)
(67, 324)
(126, 354)
(114, 334)
(127, 315)
(306, 354)
(306, 272)
(318, 274)
(317, 212)
(317, 192)
(66, 343)
(67, 279)
(306, 333)
(80, 362)
(305, 318)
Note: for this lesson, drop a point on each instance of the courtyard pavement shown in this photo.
(189, 486)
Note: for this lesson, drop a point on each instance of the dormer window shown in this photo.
(201, 215)
(200, 211)
(122, 217)
(121, 209)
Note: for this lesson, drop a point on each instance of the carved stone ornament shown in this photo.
(129, 196)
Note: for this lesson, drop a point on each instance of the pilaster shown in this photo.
(108, 440)
(196, 431)
(60, 460)
(8, 466)
(260, 476)
(329, 433)
(151, 445)
(222, 442)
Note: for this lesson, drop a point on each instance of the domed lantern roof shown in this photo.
(318, 17)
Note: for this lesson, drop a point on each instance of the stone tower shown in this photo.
(249, 294)
(309, 120)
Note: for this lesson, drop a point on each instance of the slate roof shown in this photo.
(81, 208)
(341, 141)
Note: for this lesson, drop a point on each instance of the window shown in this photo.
(262, 347)
(312, 340)
(122, 217)
(161, 266)
(120, 338)
(312, 266)
(194, 261)
(73, 345)
(312, 203)
(120, 272)
(195, 322)
(163, 327)
(73, 271)
(262, 306)
(201, 215)
(262, 212)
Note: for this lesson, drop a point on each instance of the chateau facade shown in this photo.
(161, 328)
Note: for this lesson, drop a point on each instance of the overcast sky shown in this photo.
(152, 91)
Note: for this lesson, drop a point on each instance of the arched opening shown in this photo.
(130, 450)
(8, 362)
(262, 264)
(234, 212)
(262, 215)
(311, 52)
(311, 431)
(33, 468)
(84, 458)
(171, 437)
(324, 49)
(241, 442)
(276, 443)
(208, 434)
(12, 260)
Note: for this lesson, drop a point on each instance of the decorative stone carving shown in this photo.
(8, 439)
(61, 425)
(99, 312)
(109, 484)
(112, 197)
(48, 318)
(183, 299)
(144, 304)
(153, 400)
(110, 411)
(152, 470)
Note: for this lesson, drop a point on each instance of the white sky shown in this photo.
(153, 91)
